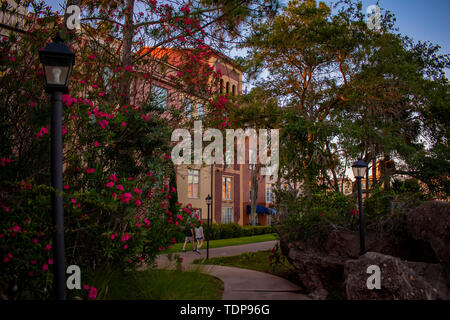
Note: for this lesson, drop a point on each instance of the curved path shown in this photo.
(241, 284)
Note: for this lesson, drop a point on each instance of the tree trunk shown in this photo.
(126, 51)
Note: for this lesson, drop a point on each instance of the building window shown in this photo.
(188, 107)
(227, 214)
(226, 188)
(193, 183)
(200, 110)
(228, 87)
(233, 89)
(159, 97)
(269, 195)
(221, 85)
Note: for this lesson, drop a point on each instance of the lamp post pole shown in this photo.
(208, 202)
(362, 242)
(359, 171)
(57, 199)
(207, 241)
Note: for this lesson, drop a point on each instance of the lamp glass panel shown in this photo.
(362, 171)
(56, 75)
(355, 171)
(359, 172)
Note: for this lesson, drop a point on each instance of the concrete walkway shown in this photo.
(241, 284)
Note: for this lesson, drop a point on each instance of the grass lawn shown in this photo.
(158, 285)
(258, 261)
(225, 242)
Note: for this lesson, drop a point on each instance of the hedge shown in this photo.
(230, 230)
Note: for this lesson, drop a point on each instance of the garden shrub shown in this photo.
(234, 230)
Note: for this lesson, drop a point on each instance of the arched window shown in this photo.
(233, 90)
(228, 87)
(221, 85)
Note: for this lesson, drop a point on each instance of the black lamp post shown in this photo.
(208, 202)
(57, 60)
(359, 171)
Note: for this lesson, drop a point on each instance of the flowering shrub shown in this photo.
(120, 203)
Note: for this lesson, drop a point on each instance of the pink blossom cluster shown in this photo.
(68, 100)
(44, 130)
(5, 161)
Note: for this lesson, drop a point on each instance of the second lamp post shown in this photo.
(359, 171)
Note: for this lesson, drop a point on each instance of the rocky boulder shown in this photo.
(430, 223)
(400, 280)
(320, 266)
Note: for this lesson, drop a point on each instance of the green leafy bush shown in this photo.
(234, 230)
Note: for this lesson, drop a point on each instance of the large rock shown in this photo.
(430, 223)
(400, 280)
(317, 272)
(320, 266)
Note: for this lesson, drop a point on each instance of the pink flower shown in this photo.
(92, 57)
(136, 190)
(42, 131)
(113, 236)
(138, 224)
(33, 261)
(119, 187)
(126, 197)
(66, 187)
(32, 104)
(5, 161)
(45, 267)
(125, 247)
(145, 117)
(113, 178)
(50, 261)
(93, 293)
(86, 287)
(89, 171)
(101, 94)
(109, 184)
(123, 124)
(138, 202)
(48, 247)
(74, 201)
(35, 240)
(96, 144)
(15, 228)
(128, 68)
(125, 237)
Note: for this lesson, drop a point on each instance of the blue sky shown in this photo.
(424, 20)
